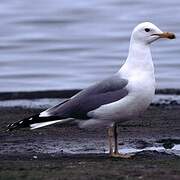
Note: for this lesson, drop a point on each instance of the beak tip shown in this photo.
(171, 35)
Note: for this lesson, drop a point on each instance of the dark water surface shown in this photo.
(66, 44)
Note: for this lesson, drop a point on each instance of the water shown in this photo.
(98, 147)
(52, 44)
(79, 145)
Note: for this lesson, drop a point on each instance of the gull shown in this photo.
(121, 97)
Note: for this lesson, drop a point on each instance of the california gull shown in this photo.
(119, 98)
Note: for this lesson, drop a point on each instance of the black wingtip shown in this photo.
(25, 123)
(12, 126)
(20, 124)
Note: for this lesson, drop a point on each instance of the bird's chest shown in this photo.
(142, 89)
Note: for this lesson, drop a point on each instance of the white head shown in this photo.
(146, 33)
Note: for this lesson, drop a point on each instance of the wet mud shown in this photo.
(67, 152)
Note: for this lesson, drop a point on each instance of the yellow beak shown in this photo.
(168, 35)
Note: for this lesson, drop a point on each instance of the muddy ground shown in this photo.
(67, 152)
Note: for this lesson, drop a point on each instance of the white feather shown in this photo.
(39, 125)
(44, 114)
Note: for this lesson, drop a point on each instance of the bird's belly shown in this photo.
(138, 99)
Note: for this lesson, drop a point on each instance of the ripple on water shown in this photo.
(75, 44)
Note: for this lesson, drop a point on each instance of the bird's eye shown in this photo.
(147, 29)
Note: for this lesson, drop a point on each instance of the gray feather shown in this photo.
(104, 92)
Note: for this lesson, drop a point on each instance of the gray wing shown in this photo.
(104, 92)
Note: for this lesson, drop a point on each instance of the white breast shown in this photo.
(142, 89)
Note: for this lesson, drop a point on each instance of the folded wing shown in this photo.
(104, 92)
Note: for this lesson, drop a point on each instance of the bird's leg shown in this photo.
(115, 138)
(110, 136)
(116, 153)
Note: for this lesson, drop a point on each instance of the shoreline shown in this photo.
(62, 94)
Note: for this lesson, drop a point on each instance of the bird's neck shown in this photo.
(139, 58)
